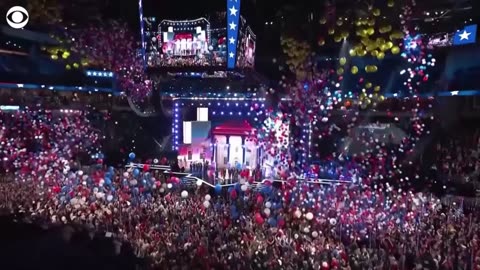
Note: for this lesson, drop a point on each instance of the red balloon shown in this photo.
(259, 219)
(146, 167)
(259, 199)
(233, 194)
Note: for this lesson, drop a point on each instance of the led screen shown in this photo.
(246, 47)
(189, 43)
(194, 43)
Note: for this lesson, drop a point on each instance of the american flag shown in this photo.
(233, 18)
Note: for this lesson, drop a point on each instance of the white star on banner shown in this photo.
(233, 11)
(232, 26)
(454, 93)
(231, 55)
(232, 40)
(464, 35)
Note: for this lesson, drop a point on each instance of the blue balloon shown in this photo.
(108, 181)
(111, 169)
(218, 188)
(272, 222)
(131, 156)
(266, 190)
(136, 172)
(234, 212)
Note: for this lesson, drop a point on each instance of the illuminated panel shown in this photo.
(202, 114)
(175, 131)
(187, 132)
(246, 46)
(236, 150)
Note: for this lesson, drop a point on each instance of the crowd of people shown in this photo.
(53, 172)
(37, 142)
(99, 44)
(458, 158)
(295, 225)
(288, 227)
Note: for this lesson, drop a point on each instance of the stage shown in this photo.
(221, 132)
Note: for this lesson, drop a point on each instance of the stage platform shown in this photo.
(190, 179)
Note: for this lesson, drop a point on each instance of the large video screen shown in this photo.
(189, 43)
(246, 47)
(194, 43)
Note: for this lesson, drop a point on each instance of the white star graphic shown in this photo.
(232, 40)
(233, 11)
(454, 93)
(464, 35)
(231, 55)
(232, 26)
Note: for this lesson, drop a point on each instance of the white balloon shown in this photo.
(206, 204)
(199, 182)
(268, 204)
(298, 214)
(169, 185)
(309, 216)
(125, 174)
(333, 221)
(109, 198)
(184, 194)
(244, 187)
(267, 211)
(162, 190)
(80, 173)
(315, 234)
(306, 230)
(208, 197)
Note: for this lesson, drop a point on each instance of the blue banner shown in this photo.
(233, 19)
(467, 35)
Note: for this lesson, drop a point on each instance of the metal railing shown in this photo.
(192, 179)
